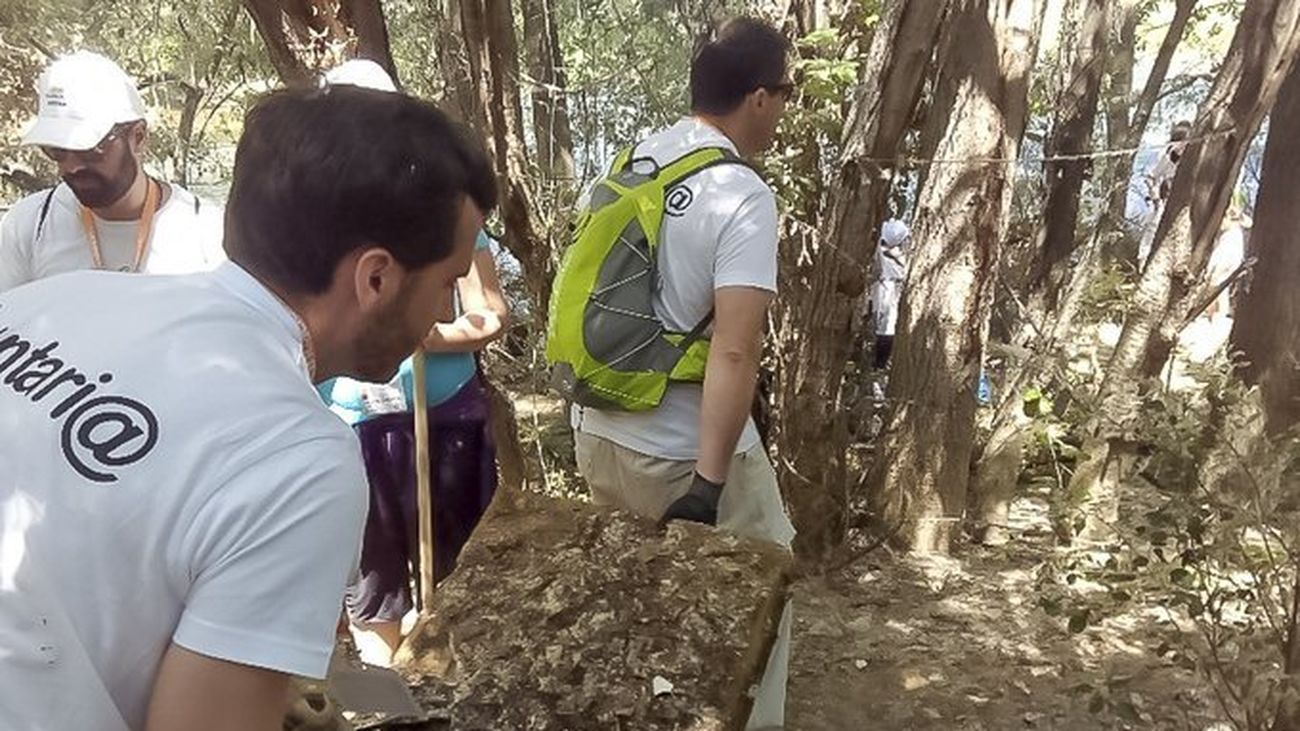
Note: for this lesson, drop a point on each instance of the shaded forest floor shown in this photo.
(893, 642)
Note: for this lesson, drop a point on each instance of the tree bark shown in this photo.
(488, 33)
(550, 108)
(306, 37)
(1048, 288)
(1124, 19)
(1126, 130)
(812, 431)
(1266, 329)
(918, 488)
(1259, 59)
(1146, 102)
(1071, 135)
(197, 91)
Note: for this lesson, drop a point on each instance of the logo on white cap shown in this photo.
(83, 95)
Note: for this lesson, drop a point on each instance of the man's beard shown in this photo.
(96, 190)
(385, 344)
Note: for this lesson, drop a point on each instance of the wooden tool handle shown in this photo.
(423, 482)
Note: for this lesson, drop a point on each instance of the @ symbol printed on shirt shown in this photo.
(677, 200)
(101, 433)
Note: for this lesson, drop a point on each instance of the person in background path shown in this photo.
(887, 290)
(697, 455)
(1158, 180)
(460, 443)
(107, 213)
(1228, 256)
(179, 512)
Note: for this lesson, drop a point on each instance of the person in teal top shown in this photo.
(463, 460)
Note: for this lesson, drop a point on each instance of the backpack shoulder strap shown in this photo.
(45, 213)
(697, 161)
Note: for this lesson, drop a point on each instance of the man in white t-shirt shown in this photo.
(107, 213)
(697, 456)
(179, 511)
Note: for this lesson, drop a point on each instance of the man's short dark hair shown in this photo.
(747, 55)
(320, 173)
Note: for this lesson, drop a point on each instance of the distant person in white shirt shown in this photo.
(107, 213)
(1158, 181)
(887, 290)
(179, 511)
(1228, 256)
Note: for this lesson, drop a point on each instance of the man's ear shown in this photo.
(377, 278)
(138, 136)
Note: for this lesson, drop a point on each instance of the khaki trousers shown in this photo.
(751, 506)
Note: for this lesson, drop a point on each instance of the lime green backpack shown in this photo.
(606, 346)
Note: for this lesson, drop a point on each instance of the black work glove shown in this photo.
(698, 505)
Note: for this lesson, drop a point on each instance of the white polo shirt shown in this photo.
(186, 238)
(167, 473)
(719, 230)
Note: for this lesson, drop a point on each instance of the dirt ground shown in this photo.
(901, 643)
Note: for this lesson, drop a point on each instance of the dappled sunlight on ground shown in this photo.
(896, 642)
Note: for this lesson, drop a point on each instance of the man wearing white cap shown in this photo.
(107, 213)
(887, 291)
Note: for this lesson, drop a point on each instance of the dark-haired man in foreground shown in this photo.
(179, 512)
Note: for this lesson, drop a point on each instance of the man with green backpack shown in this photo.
(657, 315)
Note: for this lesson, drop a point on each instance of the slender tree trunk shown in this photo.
(999, 464)
(196, 92)
(1124, 19)
(550, 108)
(1071, 135)
(305, 37)
(1127, 119)
(812, 434)
(488, 32)
(918, 487)
(1146, 102)
(1261, 55)
(1266, 329)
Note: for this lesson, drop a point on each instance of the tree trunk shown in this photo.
(488, 33)
(1124, 19)
(1071, 135)
(1048, 292)
(1146, 102)
(306, 37)
(197, 91)
(1124, 128)
(812, 433)
(550, 109)
(918, 487)
(1266, 329)
(1259, 59)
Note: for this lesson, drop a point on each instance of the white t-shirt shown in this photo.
(167, 473)
(186, 238)
(719, 230)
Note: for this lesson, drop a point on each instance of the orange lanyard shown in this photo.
(142, 229)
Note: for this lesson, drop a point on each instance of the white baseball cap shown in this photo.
(83, 95)
(361, 72)
(894, 233)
